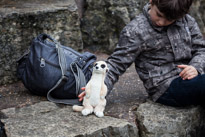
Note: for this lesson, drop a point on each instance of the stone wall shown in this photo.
(198, 12)
(21, 21)
(104, 19)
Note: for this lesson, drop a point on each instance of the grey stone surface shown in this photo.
(198, 12)
(81, 4)
(103, 21)
(46, 119)
(22, 20)
(155, 120)
(202, 11)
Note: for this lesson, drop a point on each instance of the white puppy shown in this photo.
(96, 90)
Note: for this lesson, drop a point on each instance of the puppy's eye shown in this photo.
(95, 64)
(103, 66)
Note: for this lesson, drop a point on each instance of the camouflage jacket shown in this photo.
(156, 52)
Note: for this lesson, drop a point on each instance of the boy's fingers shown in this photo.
(182, 66)
(81, 95)
(191, 77)
(188, 76)
(80, 99)
(183, 73)
(188, 73)
(187, 70)
(83, 88)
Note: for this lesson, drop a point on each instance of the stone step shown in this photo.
(155, 120)
(46, 119)
(22, 20)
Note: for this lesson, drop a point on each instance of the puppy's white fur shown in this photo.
(96, 90)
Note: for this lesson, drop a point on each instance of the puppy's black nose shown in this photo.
(97, 67)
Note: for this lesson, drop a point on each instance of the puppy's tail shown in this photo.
(77, 108)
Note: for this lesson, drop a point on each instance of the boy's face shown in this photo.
(158, 18)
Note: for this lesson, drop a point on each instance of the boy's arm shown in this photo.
(198, 45)
(128, 48)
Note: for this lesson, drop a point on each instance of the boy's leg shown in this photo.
(185, 92)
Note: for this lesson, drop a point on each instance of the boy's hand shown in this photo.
(81, 95)
(188, 72)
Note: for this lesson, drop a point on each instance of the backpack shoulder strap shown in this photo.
(78, 74)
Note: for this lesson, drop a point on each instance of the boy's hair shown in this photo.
(173, 9)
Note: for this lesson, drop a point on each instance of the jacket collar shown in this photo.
(179, 22)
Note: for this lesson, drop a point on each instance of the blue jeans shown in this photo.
(182, 93)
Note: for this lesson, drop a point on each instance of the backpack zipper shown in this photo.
(43, 63)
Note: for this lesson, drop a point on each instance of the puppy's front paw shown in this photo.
(99, 114)
(86, 112)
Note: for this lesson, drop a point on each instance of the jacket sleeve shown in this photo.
(123, 56)
(198, 47)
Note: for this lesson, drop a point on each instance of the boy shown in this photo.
(168, 50)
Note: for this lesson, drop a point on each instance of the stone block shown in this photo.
(103, 21)
(197, 11)
(156, 120)
(46, 119)
(21, 21)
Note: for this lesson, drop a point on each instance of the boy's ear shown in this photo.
(150, 1)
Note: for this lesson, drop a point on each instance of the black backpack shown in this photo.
(52, 70)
